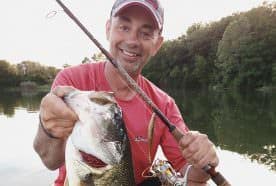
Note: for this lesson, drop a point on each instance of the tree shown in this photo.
(237, 51)
(247, 49)
(229, 54)
(8, 75)
(274, 74)
(99, 57)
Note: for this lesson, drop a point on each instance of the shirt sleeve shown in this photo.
(169, 145)
(61, 79)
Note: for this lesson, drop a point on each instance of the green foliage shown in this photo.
(8, 76)
(12, 75)
(237, 51)
(274, 74)
(166, 70)
(98, 57)
(201, 71)
(66, 65)
(239, 121)
(85, 60)
(33, 71)
(247, 49)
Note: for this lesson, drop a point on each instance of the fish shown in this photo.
(100, 132)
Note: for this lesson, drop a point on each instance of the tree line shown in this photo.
(238, 51)
(11, 75)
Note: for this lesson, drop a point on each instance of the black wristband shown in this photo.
(45, 130)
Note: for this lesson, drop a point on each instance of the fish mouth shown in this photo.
(110, 154)
(92, 160)
(103, 135)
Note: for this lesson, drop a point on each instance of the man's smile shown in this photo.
(130, 54)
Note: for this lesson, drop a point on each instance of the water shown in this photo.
(242, 126)
(19, 164)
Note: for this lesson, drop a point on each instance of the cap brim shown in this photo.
(145, 5)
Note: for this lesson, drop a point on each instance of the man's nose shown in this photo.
(133, 39)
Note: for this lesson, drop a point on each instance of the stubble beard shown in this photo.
(134, 70)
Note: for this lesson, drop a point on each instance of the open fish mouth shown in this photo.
(100, 129)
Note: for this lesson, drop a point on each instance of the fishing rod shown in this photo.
(177, 134)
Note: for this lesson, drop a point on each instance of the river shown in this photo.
(242, 126)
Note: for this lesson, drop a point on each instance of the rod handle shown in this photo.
(177, 134)
(216, 176)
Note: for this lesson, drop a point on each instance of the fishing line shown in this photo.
(53, 13)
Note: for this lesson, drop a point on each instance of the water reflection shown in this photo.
(239, 122)
(267, 158)
(242, 125)
(11, 100)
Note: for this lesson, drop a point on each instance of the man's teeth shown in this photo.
(129, 54)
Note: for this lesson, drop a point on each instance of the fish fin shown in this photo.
(150, 134)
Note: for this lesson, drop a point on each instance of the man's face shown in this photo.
(134, 38)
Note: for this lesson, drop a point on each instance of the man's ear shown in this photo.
(107, 28)
(158, 45)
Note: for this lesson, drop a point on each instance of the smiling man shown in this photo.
(134, 36)
(134, 32)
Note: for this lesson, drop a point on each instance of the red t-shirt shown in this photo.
(136, 115)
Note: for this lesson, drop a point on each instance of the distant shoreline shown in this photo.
(38, 88)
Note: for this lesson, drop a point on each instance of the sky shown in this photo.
(27, 32)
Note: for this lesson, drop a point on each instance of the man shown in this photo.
(134, 33)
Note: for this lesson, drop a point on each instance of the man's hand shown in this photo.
(56, 117)
(198, 150)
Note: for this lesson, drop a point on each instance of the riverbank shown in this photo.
(38, 88)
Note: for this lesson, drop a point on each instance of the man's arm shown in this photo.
(56, 124)
(50, 150)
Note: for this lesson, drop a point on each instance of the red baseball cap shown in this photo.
(153, 6)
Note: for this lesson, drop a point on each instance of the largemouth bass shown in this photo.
(101, 133)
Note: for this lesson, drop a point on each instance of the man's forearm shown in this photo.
(50, 150)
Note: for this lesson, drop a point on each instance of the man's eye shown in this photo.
(124, 28)
(146, 35)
